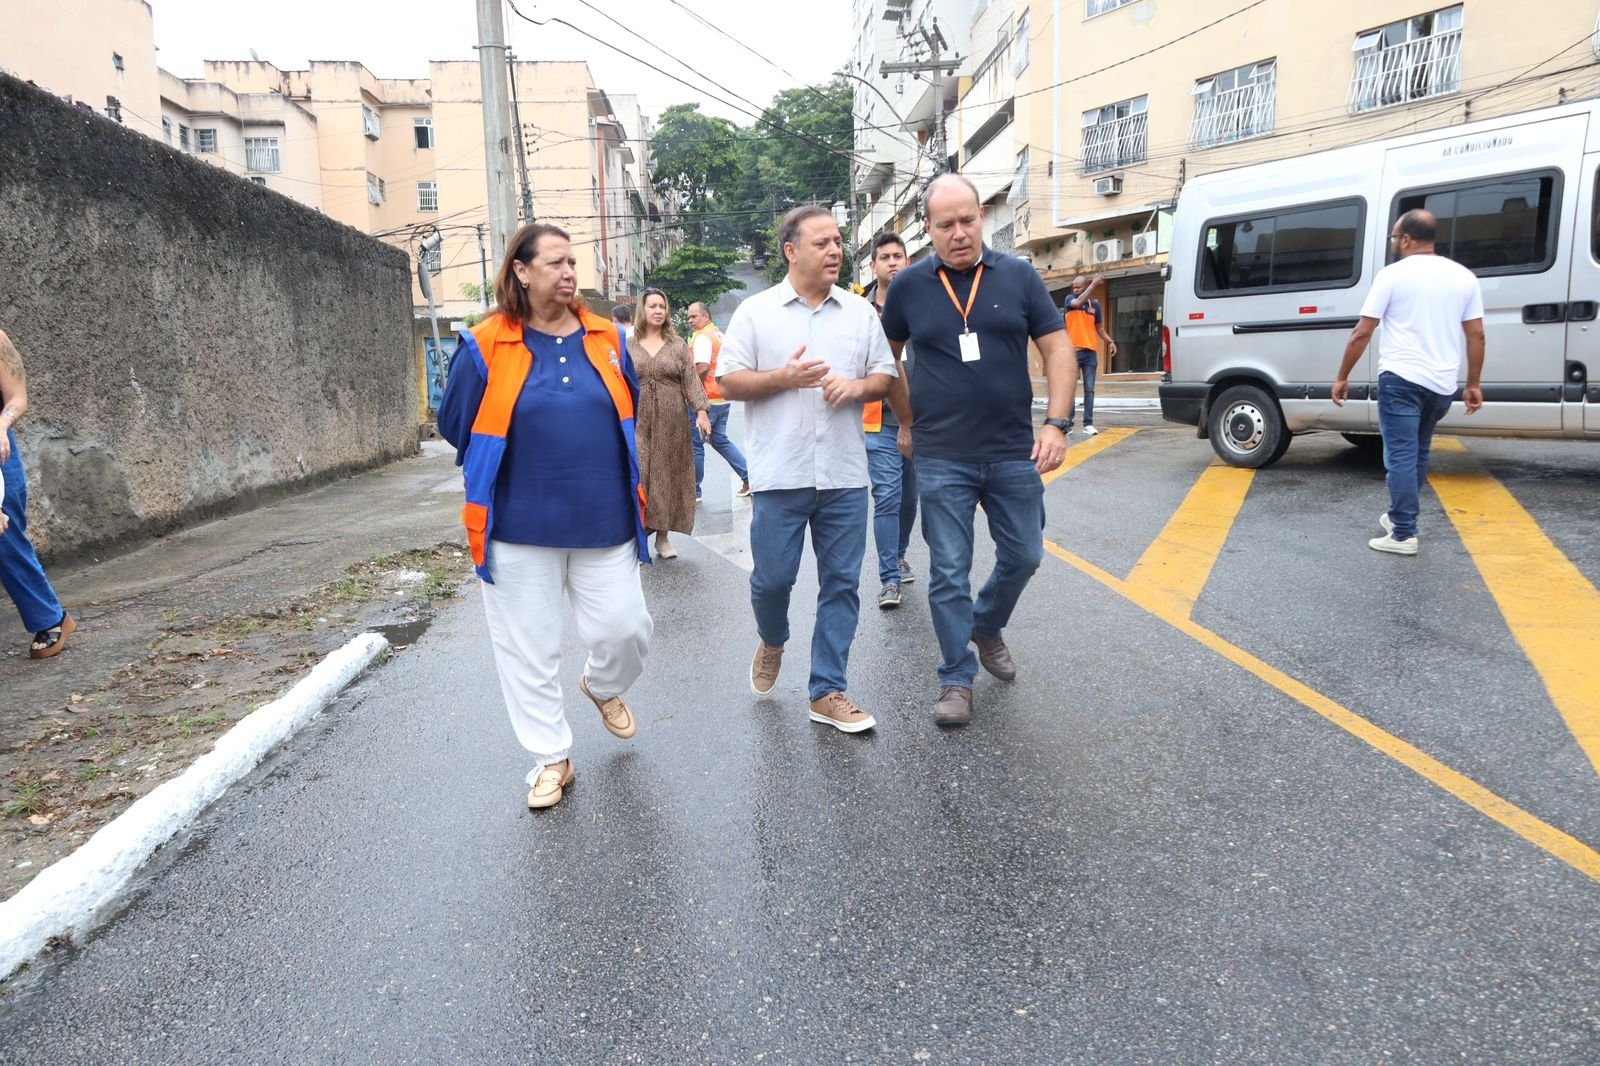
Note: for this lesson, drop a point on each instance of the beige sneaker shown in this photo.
(550, 786)
(613, 712)
(835, 709)
(764, 669)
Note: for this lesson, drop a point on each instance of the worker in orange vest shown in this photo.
(706, 347)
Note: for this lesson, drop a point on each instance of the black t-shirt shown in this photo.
(977, 412)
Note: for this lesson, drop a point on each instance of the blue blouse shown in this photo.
(564, 480)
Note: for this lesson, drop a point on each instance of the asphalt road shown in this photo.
(1149, 848)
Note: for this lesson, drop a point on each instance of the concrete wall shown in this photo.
(193, 341)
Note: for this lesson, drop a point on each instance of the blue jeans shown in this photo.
(894, 501)
(838, 521)
(1089, 363)
(1407, 413)
(729, 451)
(20, 571)
(1012, 495)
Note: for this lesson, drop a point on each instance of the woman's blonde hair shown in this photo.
(641, 327)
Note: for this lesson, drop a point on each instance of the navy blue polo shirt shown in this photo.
(979, 412)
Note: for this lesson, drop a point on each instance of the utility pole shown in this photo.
(938, 67)
(522, 152)
(483, 269)
(497, 130)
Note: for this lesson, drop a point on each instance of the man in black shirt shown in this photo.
(967, 411)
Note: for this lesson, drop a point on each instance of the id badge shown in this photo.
(970, 352)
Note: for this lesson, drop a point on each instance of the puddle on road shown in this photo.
(404, 634)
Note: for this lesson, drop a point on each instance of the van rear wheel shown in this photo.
(1246, 427)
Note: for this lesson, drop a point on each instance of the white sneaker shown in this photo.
(1387, 543)
(1388, 526)
(1089, 431)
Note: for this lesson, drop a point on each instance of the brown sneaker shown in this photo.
(835, 709)
(954, 706)
(613, 712)
(996, 658)
(764, 669)
(550, 786)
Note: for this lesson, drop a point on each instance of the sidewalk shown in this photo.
(180, 638)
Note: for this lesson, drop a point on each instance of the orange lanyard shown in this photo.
(977, 279)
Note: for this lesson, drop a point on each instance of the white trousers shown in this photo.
(525, 617)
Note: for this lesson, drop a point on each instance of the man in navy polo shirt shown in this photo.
(970, 312)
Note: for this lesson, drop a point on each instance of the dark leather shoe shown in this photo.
(954, 706)
(996, 658)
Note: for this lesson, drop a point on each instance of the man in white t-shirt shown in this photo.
(1431, 309)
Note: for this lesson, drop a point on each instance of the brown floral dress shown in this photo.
(667, 386)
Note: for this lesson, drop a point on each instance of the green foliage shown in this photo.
(696, 156)
(695, 272)
(734, 184)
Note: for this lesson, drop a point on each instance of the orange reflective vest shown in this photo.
(713, 390)
(504, 360)
(872, 413)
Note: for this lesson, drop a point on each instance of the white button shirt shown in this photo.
(793, 439)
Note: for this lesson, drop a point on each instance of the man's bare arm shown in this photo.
(1354, 349)
(1472, 395)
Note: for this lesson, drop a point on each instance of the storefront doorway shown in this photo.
(1133, 305)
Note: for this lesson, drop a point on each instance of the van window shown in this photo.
(1499, 225)
(1317, 246)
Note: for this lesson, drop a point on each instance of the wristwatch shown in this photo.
(1060, 423)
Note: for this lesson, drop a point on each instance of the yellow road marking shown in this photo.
(1174, 569)
(1088, 449)
(1568, 849)
(1551, 608)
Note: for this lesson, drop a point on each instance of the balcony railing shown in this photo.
(1120, 142)
(1415, 70)
(1233, 115)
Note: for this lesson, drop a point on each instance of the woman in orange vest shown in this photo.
(540, 408)
(667, 384)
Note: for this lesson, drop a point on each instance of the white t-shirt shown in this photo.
(1420, 303)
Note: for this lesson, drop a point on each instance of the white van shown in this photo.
(1270, 264)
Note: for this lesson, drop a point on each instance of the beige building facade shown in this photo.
(395, 158)
(1123, 101)
(99, 54)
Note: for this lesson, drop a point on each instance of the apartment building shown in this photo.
(390, 157)
(1122, 100)
(98, 54)
(897, 118)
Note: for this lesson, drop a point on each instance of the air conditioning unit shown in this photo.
(1108, 186)
(1107, 251)
(1144, 245)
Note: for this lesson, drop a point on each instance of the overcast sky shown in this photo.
(397, 38)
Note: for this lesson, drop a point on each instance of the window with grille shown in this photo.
(261, 154)
(1100, 7)
(1114, 135)
(1234, 105)
(183, 138)
(427, 196)
(422, 128)
(374, 192)
(166, 130)
(1412, 59)
(369, 122)
(205, 141)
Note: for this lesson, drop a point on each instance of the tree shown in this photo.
(695, 272)
(695, 156)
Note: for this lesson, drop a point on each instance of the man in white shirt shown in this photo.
(803, 357)
(1431, 309)
(706, 349)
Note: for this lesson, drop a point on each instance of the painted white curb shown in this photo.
(67, 896)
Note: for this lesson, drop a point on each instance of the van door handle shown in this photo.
(1539, 314)
(1583, 311)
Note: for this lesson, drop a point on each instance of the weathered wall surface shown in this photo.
(192, 341)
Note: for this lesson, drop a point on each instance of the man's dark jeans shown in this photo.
(1407, 415)
(1012, 495)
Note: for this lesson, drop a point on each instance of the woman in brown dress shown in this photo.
(667, 385)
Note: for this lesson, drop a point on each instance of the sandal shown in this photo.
(49, 642)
